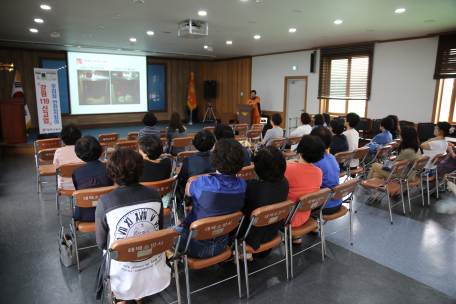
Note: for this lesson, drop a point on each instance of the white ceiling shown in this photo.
(228, 20)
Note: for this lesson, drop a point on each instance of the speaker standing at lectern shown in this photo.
(255, 102)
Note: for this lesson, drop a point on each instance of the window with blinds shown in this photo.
(445, 64)
(346, 72)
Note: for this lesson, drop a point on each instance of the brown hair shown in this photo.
(175, 123)
(125, 166)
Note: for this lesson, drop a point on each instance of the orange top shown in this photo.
(302, 179)
(256, 99)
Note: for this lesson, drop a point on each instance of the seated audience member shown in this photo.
(117, 218)
(303, 177)
(449, 164)
(213, 195)
(150, 120)
(330, 168)
(381, 139)
(319, 120)
(327, 120)
(66, 155)
(271, 188)
(396, 129)
(156, 169)
(436, 145)
(351, 122)
(303, 129)
(91, 175)
(222, 131)
(411, 151)
(175, 129)
(339, 140)
(276, 131)
(200, 162)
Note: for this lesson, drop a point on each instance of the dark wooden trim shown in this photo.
(286, 52)
(452, 103)
(437, 99)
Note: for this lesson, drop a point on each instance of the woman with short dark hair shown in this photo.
(131, 209)
(327, 119)
(92, 175)
(271, 188)
(276, 131)
(303, 177)
(339, 140)
(66, 155)
(155, 168)
(319, 120)
(175, 129)
(150, 120)
(213, 195)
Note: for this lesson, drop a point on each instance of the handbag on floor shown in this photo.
(67, 249)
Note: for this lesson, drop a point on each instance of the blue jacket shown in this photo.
(380, 140)
(331, 171)
(199, 163)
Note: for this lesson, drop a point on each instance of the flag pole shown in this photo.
(190, 123)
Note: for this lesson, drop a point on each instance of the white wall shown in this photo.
(268, 78)
(402, 81)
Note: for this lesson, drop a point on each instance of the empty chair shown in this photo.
(44, 144)
(259, 127)
(132, 136)
(106, 140)
(417, 164)
(253, 136)
(376, 127)
(363, 127)
(403, 123)
(132, 144)
(292, 141)
(426, 131)
(44, 156)
(425, 175)
(239, 128)
(358, 154)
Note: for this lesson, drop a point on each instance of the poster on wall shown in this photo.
(47, 100)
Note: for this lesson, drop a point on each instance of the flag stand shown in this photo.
(191, 122)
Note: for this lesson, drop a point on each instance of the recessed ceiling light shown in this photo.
(133, 39)
(138, 1)
(88, 35)
(229, 42)
(292, 30)
(202, 13)
(429, 21)
(150, 33)
(400, 10)
(337, 21)
(34, 30)
(100, 26)
(119, 49)
(205, 46)
(257, 37)
(297, 11)
(39, 20)
(45, 7)
(115, 16)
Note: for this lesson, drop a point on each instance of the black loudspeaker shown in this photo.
(313, 58)
(209, 89)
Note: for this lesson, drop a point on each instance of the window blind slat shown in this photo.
(445, 63)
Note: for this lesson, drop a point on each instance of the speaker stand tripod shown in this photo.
(210, 112)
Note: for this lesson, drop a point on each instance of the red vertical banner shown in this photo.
(191, 96)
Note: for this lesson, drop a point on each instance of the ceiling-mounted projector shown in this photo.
(192, 28)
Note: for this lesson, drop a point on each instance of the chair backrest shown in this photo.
(164, 187)
(376, 126)
(182, 155)
(167, 155)
(293, 140)
(132, 144)
(143, 246)
(43, 144)
(253, 133)
(210, 129)
(363, 125)
(246, 173)
(271, 214)
(88, 198)
(164, 141)
(182, 142)
(343, 157)
(259, 126)
(360, 153)
(344, 189)
(425, 131)
(399, 166)
(393, 145)
(46, 155)
(403, 123)
(108, 138)
(66, 170)
(383, 151)
(212, 227)
(240, 127)
(438, 159)
(313, 200)
(132, 136)
(278, 142)
(419, 163)
(162, 133)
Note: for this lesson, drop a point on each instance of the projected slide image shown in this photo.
(125, 87)
(93, 87)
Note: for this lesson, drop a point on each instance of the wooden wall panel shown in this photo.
(232, 77)
(177, 73)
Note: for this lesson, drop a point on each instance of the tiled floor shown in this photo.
(411, 261)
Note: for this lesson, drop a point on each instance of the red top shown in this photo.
(302, 179)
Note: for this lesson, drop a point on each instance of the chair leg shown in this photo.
(38, 181)
(246, 270)
(402, 197)
(75, 238)
(290, 244)
(408, 196)
(428, 192)
(176, 277)
(351, 220)
(389, 203)
(236, 256)
(436, 183)
(322, 238)
(287, 254)
(187, 281)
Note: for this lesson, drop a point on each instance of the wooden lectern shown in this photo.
(13, 120)
(245, 114)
